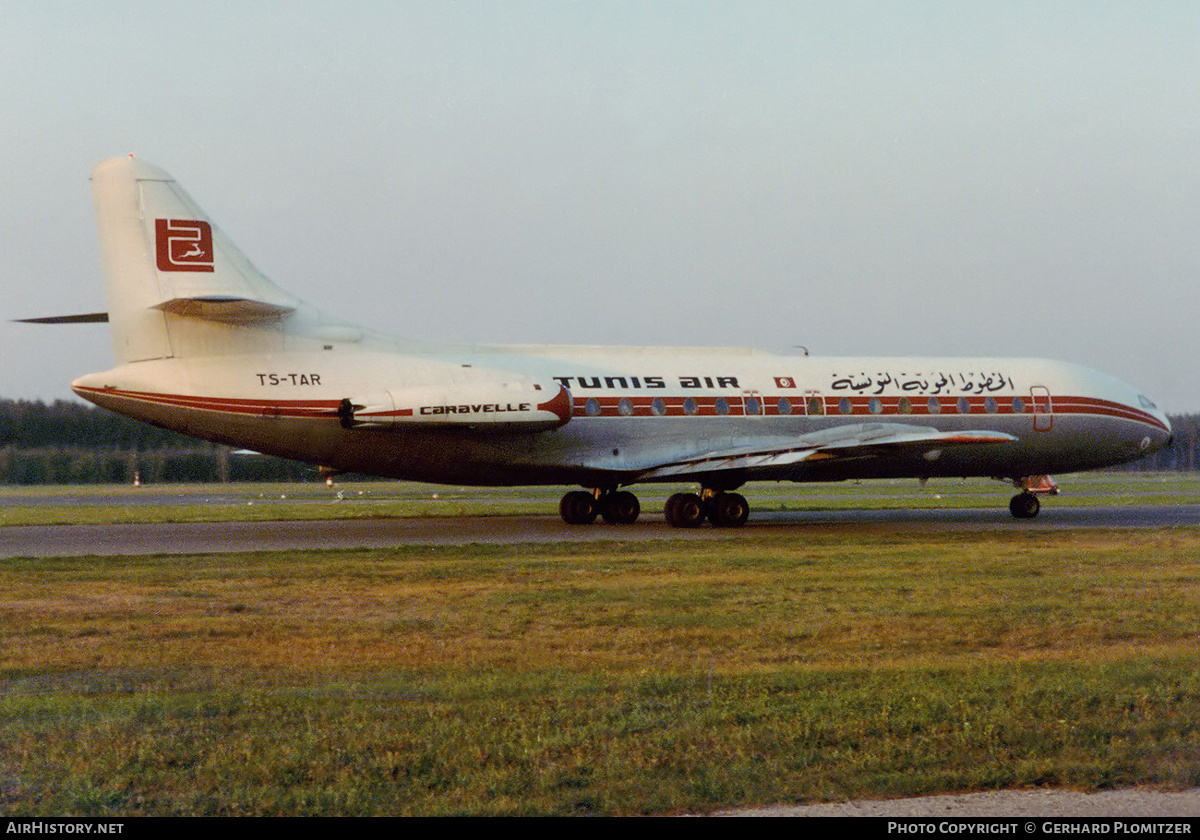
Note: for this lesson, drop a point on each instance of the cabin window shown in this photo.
(625, 407)
(1018, 405)
(689, 406)
(934, 406)
(875, 406)
(592, 407)
(964, 406)
(844, 405)
(989, 405)
(784, 407)
(905, 406)
(721, 405)
(753, 406)
(658, 407)
(815, 406)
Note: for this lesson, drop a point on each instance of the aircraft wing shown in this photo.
(861, 440)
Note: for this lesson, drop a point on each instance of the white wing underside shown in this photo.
(851, 441)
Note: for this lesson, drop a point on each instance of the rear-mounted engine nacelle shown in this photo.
(523, 406)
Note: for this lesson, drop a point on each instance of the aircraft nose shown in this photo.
(1161, 434)
(1169, 433)
(1163, 438)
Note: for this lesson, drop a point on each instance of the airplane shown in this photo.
(206, 345)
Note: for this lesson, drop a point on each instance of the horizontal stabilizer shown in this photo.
(90, 318)
(228, 310)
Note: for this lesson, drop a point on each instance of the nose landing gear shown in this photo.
(1025, 505)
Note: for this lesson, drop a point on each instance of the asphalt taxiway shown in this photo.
(224, 537)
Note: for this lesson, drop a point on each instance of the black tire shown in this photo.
(578, 508)
(1024, 506)
(620, 508)
(729, 510)
(684, 510)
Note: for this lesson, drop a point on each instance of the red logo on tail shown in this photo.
(183, 245)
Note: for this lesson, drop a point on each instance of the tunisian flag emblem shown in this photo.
(785, 382)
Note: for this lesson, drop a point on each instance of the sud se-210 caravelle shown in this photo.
(208, 346)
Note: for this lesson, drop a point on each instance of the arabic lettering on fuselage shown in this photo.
(934, 383)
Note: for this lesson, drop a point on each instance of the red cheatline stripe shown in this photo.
(296, 408)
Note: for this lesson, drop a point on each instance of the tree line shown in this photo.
(65, 442)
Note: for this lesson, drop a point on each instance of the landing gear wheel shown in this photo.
(1024, 506)
(684, 510)
(728, 510)
(620, 508)
(578, 508)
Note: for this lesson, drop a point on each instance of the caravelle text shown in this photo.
(478, 408)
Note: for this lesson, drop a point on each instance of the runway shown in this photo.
(224, 537)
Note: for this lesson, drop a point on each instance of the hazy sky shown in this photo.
(903, 178)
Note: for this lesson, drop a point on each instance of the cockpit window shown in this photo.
(1146, 401)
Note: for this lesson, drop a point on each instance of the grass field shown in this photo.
(106, 504)
(604, 678)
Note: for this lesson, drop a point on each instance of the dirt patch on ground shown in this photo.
(1134, 803)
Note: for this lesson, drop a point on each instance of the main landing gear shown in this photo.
(723, 509)
(616, 507)
(1025, 505)
(683, 510)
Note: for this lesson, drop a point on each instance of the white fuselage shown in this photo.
(632, 409)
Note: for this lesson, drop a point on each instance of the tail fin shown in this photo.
(175, 285)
